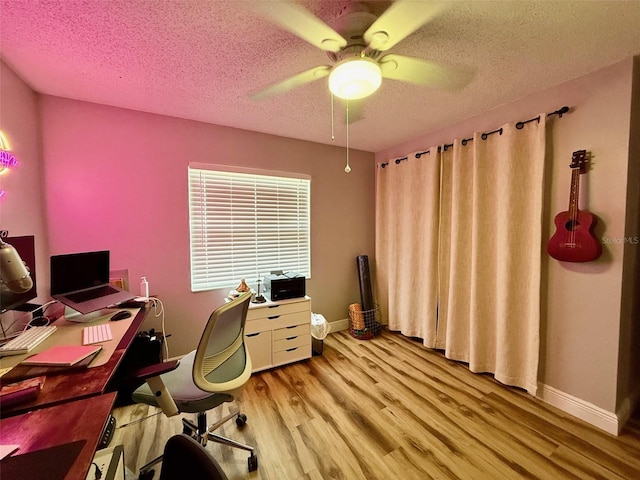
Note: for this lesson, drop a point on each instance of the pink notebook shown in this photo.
(62, 355)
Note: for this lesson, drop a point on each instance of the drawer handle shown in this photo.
(273, 306)
(291, 349)
(253, 334)
(291, 338)
(292, 326)
(273, 318)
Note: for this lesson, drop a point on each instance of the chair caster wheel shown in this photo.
(241, 420)
(253, 463)
(148, 475)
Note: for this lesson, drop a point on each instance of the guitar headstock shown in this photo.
(579, 160)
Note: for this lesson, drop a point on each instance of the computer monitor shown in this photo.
(9, 300)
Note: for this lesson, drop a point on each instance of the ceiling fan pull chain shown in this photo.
(333, 137)
(347, 169)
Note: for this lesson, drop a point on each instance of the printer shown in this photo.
(282, 286)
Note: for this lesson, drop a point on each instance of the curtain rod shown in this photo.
(520, 125)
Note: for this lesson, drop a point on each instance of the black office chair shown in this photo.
(205, 378)
(184, 458)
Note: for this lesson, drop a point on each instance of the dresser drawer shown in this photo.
(292, 331)
(277, 321)
(271, 309)
(293, 354)
(289, 343)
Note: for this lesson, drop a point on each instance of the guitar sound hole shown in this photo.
(571, 225)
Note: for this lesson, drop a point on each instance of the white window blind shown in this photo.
(245, 225)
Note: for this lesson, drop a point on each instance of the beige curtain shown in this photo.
(454, 245)
(407, 209)
(488, 241)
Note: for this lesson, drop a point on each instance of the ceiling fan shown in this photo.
(356, 42)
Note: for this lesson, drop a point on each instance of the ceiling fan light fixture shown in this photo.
(355, 78)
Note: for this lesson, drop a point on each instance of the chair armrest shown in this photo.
(154, 370)
(152, 375)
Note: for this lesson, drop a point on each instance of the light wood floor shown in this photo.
(387, 408)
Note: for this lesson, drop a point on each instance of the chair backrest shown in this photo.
(222, 363)
(184, 458)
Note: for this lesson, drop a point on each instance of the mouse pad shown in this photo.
(51, 463)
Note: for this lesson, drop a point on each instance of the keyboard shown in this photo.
(27, 340)
(96, 334)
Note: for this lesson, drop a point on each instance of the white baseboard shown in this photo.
(343, 324)
(338, 325)
(590, 413)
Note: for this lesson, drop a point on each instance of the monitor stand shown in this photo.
(72, 315)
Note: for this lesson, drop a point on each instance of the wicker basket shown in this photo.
(363, 324)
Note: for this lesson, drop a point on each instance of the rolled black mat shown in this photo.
(366, 297)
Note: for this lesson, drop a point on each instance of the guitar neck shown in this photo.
(575, 192)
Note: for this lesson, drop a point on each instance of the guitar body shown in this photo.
(574, 240)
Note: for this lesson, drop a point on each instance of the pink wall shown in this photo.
(117, 179)
(22, 208)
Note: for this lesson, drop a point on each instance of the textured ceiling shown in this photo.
(202, 59)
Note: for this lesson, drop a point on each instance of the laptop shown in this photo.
(81, 282)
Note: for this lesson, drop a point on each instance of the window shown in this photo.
(244, 224)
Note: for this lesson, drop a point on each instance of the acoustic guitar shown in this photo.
(574, 240)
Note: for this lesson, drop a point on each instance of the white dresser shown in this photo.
(277, 333)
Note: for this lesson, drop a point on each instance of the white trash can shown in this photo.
(319, 331)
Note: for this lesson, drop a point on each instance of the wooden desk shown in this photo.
(75, 384)
(72, 430)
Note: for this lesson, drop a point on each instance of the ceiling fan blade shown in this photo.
(292, 82)
(400, 20)
(302, 23)
(423, 72)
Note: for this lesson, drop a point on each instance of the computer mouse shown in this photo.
(121, 315)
